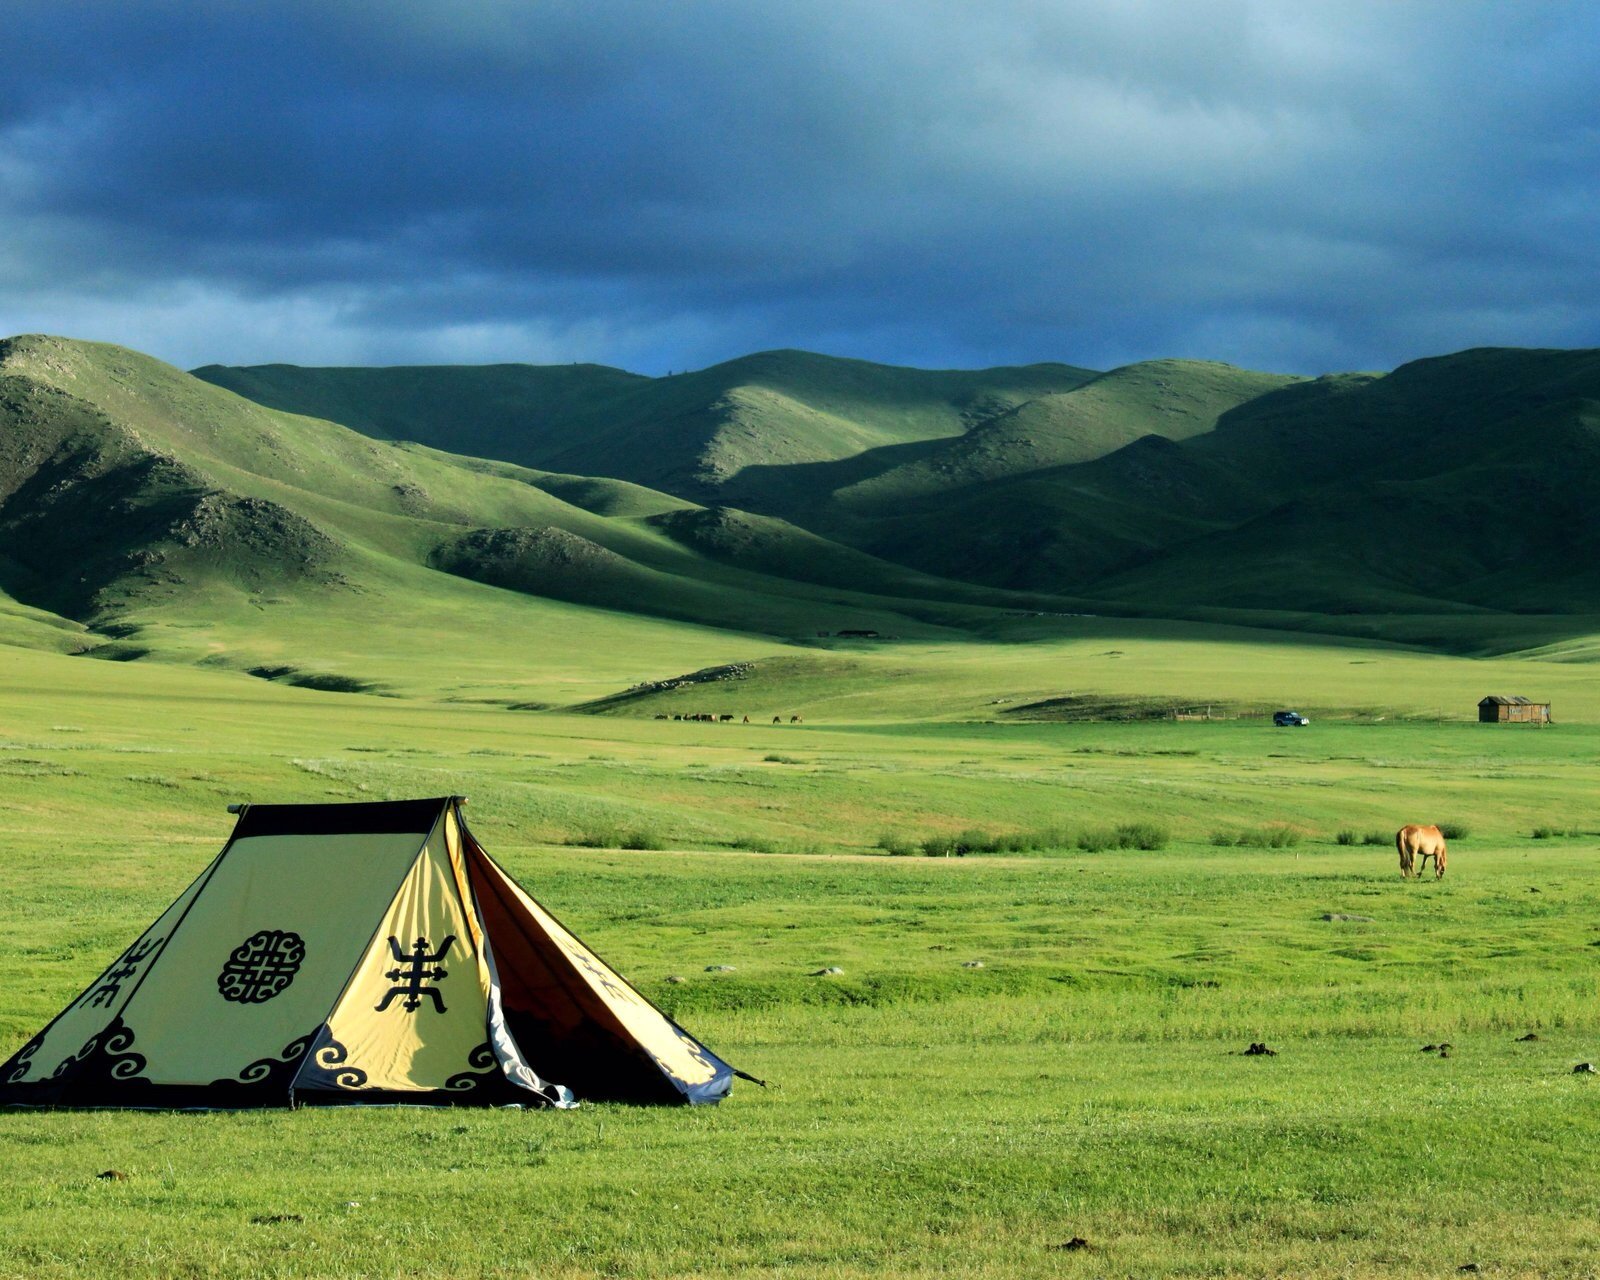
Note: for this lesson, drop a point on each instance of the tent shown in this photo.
(358, 953)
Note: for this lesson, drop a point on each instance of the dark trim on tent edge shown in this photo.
(358, 817)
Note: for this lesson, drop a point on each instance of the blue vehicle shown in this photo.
(1284, 719)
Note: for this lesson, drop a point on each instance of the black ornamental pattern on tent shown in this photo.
(333, 1058)
(274, 1074)
(414, 970)
(17, 1068)
(262, 966)
(107, 1066)
(105, 992)
(485, 1069)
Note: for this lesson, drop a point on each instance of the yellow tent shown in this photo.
(338, 953)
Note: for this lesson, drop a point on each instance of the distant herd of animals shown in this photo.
(725, 717)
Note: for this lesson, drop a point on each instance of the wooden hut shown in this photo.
(1496, 709)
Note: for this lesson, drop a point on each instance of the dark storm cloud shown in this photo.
(1308, 186)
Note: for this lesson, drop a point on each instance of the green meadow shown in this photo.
(1022, 1048)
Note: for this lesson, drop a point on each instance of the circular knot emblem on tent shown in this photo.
(262, 966)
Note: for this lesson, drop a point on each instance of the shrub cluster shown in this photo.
(1035, 841)
(1454, 830)
(765, 844)
(1543, 832)
(1347, 835)
(604, 836)
(1272, 837)
(1130, 835)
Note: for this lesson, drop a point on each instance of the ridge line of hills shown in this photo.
(1456, 483)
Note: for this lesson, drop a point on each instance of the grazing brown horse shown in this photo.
(1416, 842)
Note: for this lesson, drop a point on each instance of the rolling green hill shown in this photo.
(1460, 484)
(693, 434)
(1464, 482)
(1165, 399)
(145, 512)
(177, 519)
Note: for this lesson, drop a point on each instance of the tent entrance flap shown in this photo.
(575, 1018)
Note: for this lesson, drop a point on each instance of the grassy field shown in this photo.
(207, 601)
(1021, 1049)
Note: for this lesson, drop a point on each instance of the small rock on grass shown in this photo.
(1532, 1035)
(828, 972)
(1073, 1245)
(676, 978)
(1584, 1069)
(719, 968)
(972, 964)
(1348, 919)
